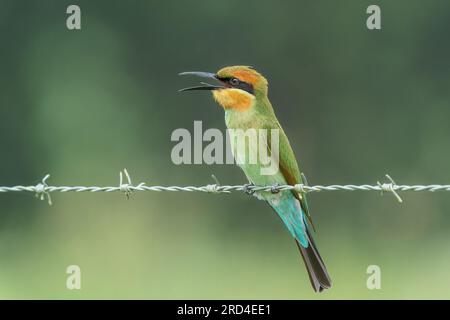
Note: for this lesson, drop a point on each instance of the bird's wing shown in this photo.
(289, 168)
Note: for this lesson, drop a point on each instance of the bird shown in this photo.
(243, 94)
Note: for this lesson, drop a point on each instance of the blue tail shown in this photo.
(291, 213)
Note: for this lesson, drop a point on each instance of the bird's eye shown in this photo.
(234, 81)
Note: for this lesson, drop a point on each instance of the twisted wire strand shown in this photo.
(43, 190)
(214, 188)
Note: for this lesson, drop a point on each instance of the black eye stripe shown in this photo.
(240, 84)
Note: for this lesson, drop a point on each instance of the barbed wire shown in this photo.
(42, 190)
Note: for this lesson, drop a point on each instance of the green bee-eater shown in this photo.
(242, 92)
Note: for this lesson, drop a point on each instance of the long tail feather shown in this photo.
(291, 214)
(318, 274)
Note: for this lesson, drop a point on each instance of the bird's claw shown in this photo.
(274, 188)
(248, 189)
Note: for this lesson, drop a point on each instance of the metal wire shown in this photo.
(43, 190)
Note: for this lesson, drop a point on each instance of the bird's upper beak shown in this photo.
(204, 86)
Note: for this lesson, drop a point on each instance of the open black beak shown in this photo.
(204, 86)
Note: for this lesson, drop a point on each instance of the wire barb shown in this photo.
(390, 187)
(128, 187)
(214, 188)
(41, 190)
(302, 187)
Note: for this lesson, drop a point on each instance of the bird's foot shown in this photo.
(248, 189)
(274, 188)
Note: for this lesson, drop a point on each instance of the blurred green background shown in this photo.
(356, 104)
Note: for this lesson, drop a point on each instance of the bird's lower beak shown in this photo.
(204, 86)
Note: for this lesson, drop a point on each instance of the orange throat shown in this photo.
(235, 99)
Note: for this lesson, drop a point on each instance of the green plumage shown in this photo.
(243, 95)
(289, 205)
